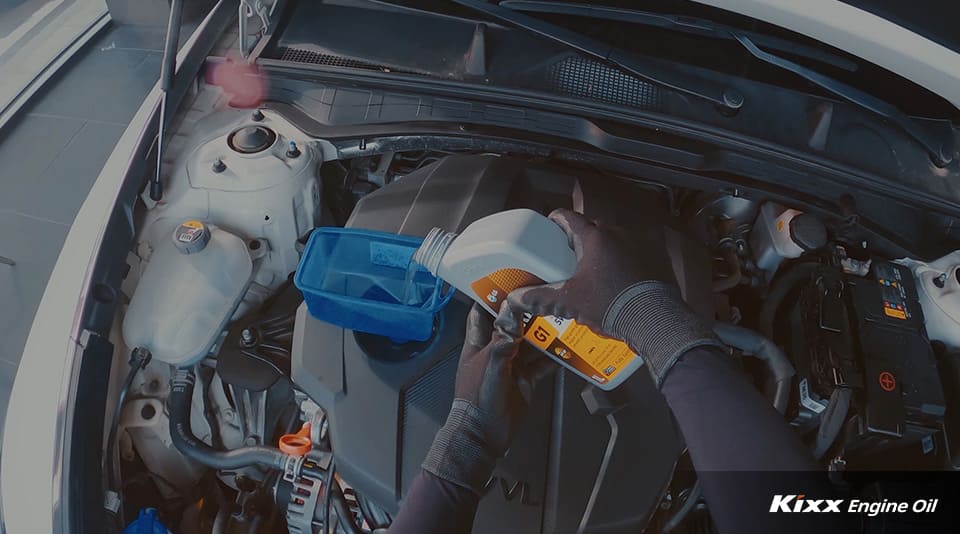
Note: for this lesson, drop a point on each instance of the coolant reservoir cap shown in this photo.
(191, 237)
(251, 139)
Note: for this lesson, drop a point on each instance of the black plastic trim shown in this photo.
(85, 484)
(792, 161)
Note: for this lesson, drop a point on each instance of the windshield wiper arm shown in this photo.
(656, 72)
(939, 147)
(682, 23)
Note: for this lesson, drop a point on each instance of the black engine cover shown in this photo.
(582, 458)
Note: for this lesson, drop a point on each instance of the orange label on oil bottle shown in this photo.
(574, 345)
(494, 287)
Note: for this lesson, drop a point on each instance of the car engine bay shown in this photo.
(856, 346)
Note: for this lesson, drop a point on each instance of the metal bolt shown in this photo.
(732, 101)
(246, 336)
(219, 166)
(941, 280)
(292, 150)
(257, 116)
(943, 156)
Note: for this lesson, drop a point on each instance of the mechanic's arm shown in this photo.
(742, 450)
(624, 286)
(435, 505)
(492, 392)
(726, 422)
(728, 427)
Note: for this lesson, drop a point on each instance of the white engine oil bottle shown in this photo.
(518, 248)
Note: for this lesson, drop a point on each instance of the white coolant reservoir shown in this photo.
(187, 293)
(938, 288)
(254, 174)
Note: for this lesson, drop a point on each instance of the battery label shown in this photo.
(892, 292)
(574, 345)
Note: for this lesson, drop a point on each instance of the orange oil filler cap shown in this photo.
(297, 444)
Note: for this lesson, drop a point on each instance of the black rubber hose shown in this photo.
(779, 290)
(181, 434)
(139, 358)
(376, 517)
(255, 524)
(832, 420)
(688, 505)
(762, 348)
(328, 492)
(344, 515)
(209, 414)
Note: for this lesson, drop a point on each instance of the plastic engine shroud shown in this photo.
(577, 441)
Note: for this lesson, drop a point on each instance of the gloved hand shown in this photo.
(493, 390)
(623, 287)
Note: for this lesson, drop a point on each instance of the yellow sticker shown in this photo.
(895, 313)
(495, 287)
(541, 333)
(598, 357)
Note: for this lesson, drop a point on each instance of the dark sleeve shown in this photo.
(714, 403)
(742, 449)
(434, 505)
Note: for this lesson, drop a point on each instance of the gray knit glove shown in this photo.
(492, 392)
(623, 287)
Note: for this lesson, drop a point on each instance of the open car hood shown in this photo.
(916, 44)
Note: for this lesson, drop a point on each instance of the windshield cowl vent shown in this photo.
(302, 55)
(585, 78)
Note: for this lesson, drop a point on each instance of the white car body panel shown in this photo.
(32, 448)
(863, 34)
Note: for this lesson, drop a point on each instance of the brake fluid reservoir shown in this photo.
(938, 288)
(187, 293)
(518, 248)
(781, 233)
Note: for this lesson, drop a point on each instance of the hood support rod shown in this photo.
(167, 69)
